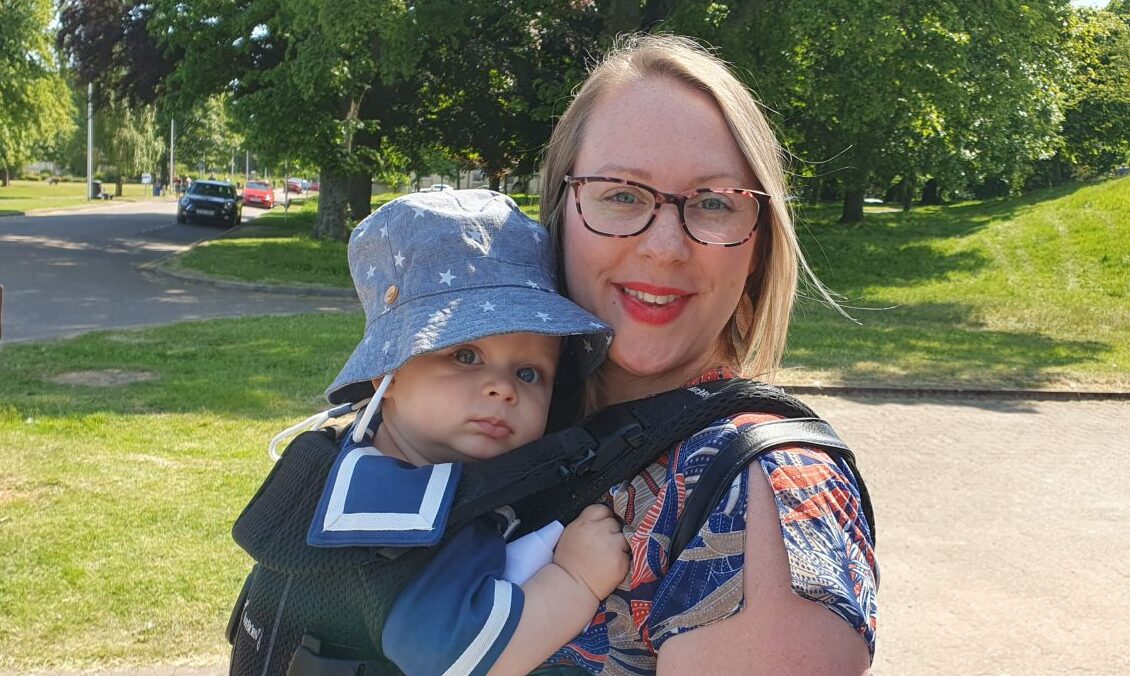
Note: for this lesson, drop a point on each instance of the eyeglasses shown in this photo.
(617, 207)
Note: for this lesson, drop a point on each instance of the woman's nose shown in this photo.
(665, 240)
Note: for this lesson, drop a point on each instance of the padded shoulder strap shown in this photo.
(750, 444)
(631, 436)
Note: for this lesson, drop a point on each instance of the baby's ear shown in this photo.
(377, 384)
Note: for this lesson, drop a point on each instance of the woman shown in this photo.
(698, 285)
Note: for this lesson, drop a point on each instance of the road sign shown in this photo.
(146, 179)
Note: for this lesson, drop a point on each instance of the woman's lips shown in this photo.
(493, 427)
(652, 304)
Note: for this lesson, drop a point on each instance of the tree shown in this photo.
(882, 92)
(128, 138)
(206, 138)
(1096, 126)
(305, 80)
(35, 104)
(108, 43)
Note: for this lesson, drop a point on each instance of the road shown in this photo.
(70, 272)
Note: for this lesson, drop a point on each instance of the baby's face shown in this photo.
(470, 402)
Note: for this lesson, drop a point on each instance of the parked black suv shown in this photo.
(211, 200)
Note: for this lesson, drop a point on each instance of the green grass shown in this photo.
(1029, 292)
(116, 503)
(21, 197)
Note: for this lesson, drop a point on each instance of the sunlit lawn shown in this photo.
(116, 502)
(23, 196)
(1030, 292)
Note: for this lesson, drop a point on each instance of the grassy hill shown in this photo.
(1029, 292)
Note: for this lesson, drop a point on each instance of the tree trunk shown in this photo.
(853, 206)
(333, 205)
(118, 187)
(360, 195)
(7, 178)
(931, 194)
(495, 182)
(906, 194)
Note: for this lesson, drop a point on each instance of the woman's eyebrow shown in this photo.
(645, 176)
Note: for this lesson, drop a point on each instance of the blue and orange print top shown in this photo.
(827, 538)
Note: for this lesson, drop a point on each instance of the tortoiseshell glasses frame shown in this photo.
(742, 228)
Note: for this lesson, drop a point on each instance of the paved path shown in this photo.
(70, 272)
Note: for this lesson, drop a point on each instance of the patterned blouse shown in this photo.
(828, 541)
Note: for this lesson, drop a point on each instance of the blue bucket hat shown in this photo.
(438, 269)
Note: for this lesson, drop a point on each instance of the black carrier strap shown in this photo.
(622, 440)
(750, 444)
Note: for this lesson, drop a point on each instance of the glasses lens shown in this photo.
(614, 208)
(720, 217)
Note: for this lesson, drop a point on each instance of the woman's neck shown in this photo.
(615, 385)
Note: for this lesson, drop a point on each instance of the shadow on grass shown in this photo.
(902, 248)
(10, 212)
(938, 346)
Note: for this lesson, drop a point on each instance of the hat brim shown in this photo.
(465, 315)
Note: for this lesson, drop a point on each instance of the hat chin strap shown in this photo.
(316, 421)
(371, 408)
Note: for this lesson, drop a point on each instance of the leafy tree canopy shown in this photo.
(35, 103)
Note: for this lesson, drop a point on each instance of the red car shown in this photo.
(259, 193)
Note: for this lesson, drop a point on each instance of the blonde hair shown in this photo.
(755, 336)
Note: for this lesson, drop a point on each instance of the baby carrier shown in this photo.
(309, 610)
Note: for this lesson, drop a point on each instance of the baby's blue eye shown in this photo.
(529, 374)
(465, 355)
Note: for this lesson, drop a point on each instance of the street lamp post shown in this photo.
(89, 140)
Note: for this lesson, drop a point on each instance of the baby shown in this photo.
(463, 336)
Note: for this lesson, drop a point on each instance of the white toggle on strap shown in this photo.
(313, 422)
(371, 408)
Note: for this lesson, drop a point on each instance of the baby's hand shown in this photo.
(593, 551)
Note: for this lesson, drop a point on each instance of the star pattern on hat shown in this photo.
(372, 271)
(388, 344)
(420, 211)
(446, 277)
(542, 316)
(537, 236)
(384, 232)
(587, 345)
(399, 260)
(487, 306)
(532, 284)
(359, 231)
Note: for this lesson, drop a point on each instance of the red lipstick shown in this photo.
(652, 304)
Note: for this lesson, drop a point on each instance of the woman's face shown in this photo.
(667, 297)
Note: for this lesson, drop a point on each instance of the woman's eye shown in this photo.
(529, 374)
(623, 198)
(466, 355)
(712, 204)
